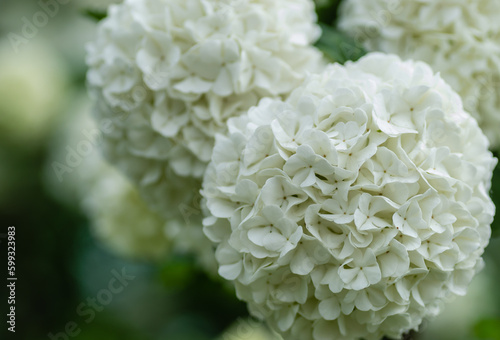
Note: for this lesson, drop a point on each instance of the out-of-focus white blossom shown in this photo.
(356, 207)
(74, 163)
(32, 89)
(122, 221)
(248, 329)
(459, 39)
(170, 74)
(77, 174)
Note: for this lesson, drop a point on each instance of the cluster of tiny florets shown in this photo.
(354, 208)
(459, 39)
(170, 73)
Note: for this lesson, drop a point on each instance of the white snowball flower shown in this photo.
(355, 208)
(171, 73)
(77, 175)
(459, 39)
(32, 91)
(248, 329)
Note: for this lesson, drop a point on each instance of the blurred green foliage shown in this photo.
(488, 329)
(197, 295)
(46, 237)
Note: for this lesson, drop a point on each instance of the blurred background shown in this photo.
(63, 272)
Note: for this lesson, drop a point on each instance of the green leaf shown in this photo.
(327, 10)
(337, 46)
(495, 196)
(95, 14)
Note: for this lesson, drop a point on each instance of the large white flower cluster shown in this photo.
(460, 39)
(354, 208)
(170, 74)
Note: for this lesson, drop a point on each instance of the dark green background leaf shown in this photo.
(95, 14)
(327, 10)
(495, 196)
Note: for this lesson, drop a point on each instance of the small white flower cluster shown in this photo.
(460, 39)
(249, 329)
(170, 74)
(122, 221)
(118, 216)
(354, 208)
